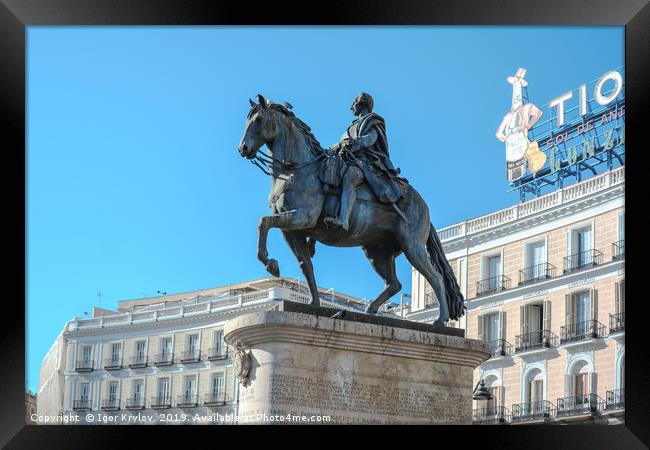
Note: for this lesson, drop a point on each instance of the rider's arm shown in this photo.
(367, 140)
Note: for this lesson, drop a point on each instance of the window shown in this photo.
(193, 344)
(493, 271)
(86, 354)
(189, 389)
(535, 325)
(430, 299)
(535, 260)
(217, 388)
(164, 390)
(138, 391)
(84, 393)
(140, 353)
(489, 327)
(116, 350)
(113, 387)
(536, 391)
(218, 343)
(166, 347)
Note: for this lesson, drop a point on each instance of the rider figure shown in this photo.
(364, 148)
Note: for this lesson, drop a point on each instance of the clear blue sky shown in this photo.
(132, 135)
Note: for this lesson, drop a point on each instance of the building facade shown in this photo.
(161, 357)
(544, 283)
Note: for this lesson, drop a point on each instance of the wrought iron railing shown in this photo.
(187, 400)
(577, 261)
(218, 353)
(581, 330)
(161, 401)
(616, 322)
(491, 415)
(535, 340)
(578, 405)
(536, 273)
(618, 249)
(84, 366)
(111, 404)
(615, 399)
(539, 410)
(82, 404)
(138, 361)
(112, 363)
(191, 356)
(492, 285)
(134, 403)
(500, 347)
(163, 359)
(214, 399)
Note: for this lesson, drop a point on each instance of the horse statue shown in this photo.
(300, 201)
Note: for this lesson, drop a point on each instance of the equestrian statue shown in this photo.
(350, 195)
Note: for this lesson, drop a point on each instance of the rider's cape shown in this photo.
(374, 161)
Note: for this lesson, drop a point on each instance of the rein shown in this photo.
(266, 162)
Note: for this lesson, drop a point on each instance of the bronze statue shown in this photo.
(379, 212)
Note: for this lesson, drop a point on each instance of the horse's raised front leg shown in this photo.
(300, 248)
(289, 220)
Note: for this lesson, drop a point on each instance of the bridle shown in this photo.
(266, 162)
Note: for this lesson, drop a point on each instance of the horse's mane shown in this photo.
(313, 143)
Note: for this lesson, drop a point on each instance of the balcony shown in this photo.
(492, 285)
(534, 411)
(163, 359)
(588, 329)
(215, 399)
(615, 399)
(216, 353)
(84, 366)
(161, 401)
(500, 347)
(113, 364)
(81, 405)
(134, 403)
(618, 250)
(535, 340)
(191, 356)
(491, 415)
(111, 404)
(579, 405)
(616, 322)
(137, 361)
(582, 260)
(538, 272)
(187, 400)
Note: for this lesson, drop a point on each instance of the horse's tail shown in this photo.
(455, 300)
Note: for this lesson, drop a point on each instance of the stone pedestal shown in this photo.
(295, 362)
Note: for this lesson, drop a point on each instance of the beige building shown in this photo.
(544, 285)
(161, 357)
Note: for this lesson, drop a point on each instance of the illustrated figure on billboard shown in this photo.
(514, 132)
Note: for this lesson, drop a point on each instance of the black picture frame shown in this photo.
(16, 15)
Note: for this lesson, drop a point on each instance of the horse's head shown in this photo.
(260, 128)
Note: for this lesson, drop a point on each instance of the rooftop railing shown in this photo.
(534, 206)
(536, 273)
(578, 261)
(587, 329)
(492, 285)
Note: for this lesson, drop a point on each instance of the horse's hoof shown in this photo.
(273, 268)
(439, 323)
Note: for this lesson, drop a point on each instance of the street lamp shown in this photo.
(481, 394)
